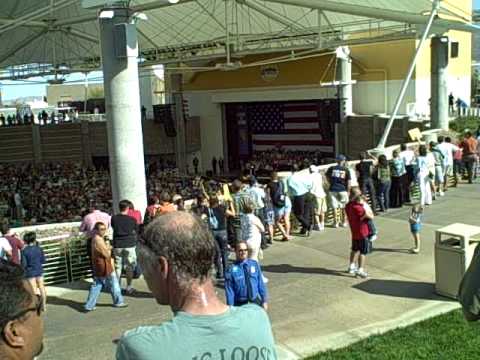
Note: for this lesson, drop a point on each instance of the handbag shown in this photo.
(212, 220)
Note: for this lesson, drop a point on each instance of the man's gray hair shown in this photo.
(184, 240)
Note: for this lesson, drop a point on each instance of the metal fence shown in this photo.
(65, 251)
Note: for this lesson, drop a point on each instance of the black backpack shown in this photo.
(278, 198)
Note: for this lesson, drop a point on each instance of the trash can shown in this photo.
(454, 247)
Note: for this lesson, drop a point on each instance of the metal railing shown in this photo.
(65, 251)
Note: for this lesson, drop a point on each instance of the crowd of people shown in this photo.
(36, 194)
(175, 247)
(42, 118)
(262, 163)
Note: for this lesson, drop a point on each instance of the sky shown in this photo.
(476, 4)
(12, 90)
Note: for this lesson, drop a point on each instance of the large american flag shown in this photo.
(290, 125)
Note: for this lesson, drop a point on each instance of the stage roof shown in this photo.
(41, 37)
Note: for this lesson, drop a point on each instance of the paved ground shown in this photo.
(315, 305)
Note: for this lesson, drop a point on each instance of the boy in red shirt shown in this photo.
(358, 219)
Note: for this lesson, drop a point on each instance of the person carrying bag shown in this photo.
(469, 290)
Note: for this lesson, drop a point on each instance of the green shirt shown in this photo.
(240, 333)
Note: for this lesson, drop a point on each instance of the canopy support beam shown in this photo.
(406, 82)
(22, 44)
(377, 13)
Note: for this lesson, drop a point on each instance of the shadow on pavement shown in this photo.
(390, 250)
(401, 289)
(75, 305)
(287, 268)
(139, 295)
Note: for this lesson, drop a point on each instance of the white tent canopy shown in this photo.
(59, 36)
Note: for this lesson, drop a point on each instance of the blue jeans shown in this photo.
(96, 288)
(221, 251)
(383, 195)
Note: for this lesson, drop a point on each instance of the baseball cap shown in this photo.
(341, 157)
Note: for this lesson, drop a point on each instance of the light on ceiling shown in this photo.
(173, 1)
(106, 14)
(140, 16)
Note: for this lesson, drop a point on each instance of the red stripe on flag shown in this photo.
(299, 107)
(293, 142)
(300, 131)
(302, 120)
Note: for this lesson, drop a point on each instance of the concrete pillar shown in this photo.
(122, 99)
(86, 145)
(344, 75)
(180, 139)
(36, 144)
(439, 83)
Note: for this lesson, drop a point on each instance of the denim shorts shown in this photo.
(415, 228)
(269, 216)
(284, 210)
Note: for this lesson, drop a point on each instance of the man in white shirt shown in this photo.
(447, 149)
(321, 203)
(408, 157)
(5, 248)
(257, 193)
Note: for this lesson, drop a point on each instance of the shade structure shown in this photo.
(55, 36)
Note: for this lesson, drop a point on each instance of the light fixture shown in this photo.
(140, 16)
(173, 1)
(106, 14)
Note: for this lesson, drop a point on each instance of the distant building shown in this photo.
(57, 94)
(476, 40)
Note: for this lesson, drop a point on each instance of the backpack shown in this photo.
(278, 198)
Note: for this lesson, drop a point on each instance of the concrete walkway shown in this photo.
(314, 304)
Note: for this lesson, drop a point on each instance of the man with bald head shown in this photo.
(177, 252)
(21, 323)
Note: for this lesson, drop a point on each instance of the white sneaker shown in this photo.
(336, 225)
(352, 270)
(362, 274)
(344, 225)
(441, 193)
(265, 280)
(373, 237)
(321, 227)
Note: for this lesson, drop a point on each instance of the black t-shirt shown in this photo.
(364, 169)
(124, 231)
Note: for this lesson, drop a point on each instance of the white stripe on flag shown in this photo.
(327, 149)
(301, 126)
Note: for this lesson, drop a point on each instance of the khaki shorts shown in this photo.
(338, 200)
(321, 205)
(125, 259)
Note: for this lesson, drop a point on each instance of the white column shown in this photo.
(122, 99)
(439, 83)
(344, 76)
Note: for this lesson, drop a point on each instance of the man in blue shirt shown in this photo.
(339, 178)
(244, 281)
(299, 185)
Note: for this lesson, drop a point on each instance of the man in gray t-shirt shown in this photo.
(176, 254)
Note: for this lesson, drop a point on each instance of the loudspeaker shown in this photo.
(454, 49)
(126, 44)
